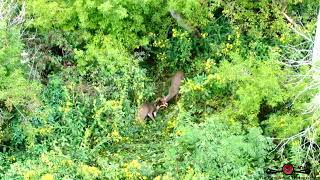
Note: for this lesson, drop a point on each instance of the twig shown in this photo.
(295, 26)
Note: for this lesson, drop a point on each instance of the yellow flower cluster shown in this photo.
(47, 177)
(116, 137)
(134, 164)
(162, 56)
(227, 48)
(68, 162)
(114, 104)
(237, 41)
(191, 174)
(219, 78)
(174, 32)
(296, 143)
(45, 130)
(89, 171)
(282, 122)
(179, 133)
(164, 177)
(12, 158)
(9, 104)
(70, 85)
(204, 35)
(171, 124)
(282, 39)
(196, 87)
(45, 159)
(160, 43)
(132, 169)
(67, 108)
(152, 34)
(209, 64)
(29, 175)
(234, 44)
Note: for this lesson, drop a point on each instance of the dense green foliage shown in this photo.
(74, 73)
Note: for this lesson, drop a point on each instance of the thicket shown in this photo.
(74, 73)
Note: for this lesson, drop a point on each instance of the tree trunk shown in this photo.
(316, 46)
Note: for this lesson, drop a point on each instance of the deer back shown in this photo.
(175, 85)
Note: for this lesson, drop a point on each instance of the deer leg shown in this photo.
(176, 98)
(151, 116)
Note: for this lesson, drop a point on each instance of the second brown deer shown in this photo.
(174, 88)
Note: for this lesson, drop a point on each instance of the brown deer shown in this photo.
(174, 88)
(148, 109)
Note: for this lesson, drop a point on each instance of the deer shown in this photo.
(150, 110)
(173, 90)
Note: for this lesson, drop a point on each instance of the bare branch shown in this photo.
(12, 13)
(295, 28)
(316, 46)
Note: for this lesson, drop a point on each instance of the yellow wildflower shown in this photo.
(282, 39)
(282, 122)
(90, 170)
(67, 109)
(217, 77)
(171, 124)
(229, 46)
(296, 143)
(29, 174)
(179, 133)
(47, 177)
(197, 87)
(115, 133)
(69, 162)
(134, 164)
(204, 35)
(44, 131)
(210, 77)
(68, 103)
(70, 86)
(132, 169)
(45, 159)
(174, 32)
(12, 158)
(238, 34)
(209, 64)
(190, 170)
(225, 50)
(116, 136)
